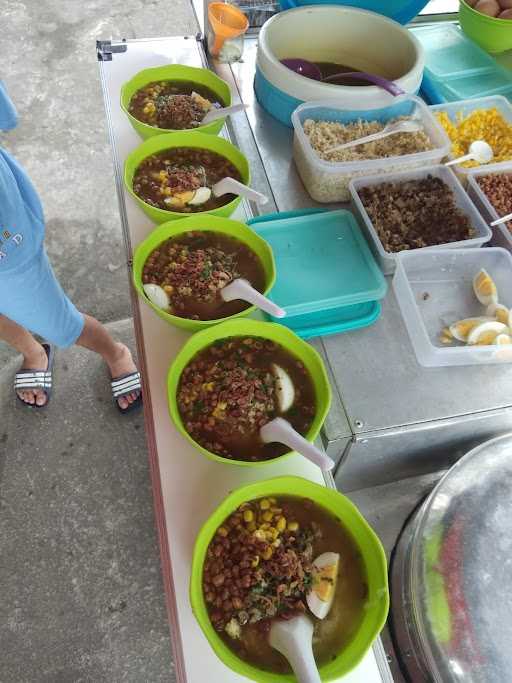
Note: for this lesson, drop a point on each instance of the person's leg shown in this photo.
(116, 355)
(34, 356)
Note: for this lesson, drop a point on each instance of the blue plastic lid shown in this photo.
(322, 261)
(399, 10)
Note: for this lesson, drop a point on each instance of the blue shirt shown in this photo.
(21, 213)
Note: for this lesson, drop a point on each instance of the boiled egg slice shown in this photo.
(201, 195)
(484, 288)
(499, 312)
(157, 296)
(325, 575)
(485, 333)
(285, 391)
(461, 329)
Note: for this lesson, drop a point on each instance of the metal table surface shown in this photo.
(186, 486)
(382, 391)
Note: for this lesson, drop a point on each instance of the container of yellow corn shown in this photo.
(484, 118)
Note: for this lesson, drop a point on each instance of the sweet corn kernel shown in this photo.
(222, 531)
(481, 124)
(274, 533)
(267, 516)
(265, 526)
(293, 526)
(281, 524)
(267, 553)
(264, 504)
(259, 534)
(251, 527)
(248, 515)
(255, 561)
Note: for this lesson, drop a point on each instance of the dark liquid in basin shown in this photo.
(331, 68)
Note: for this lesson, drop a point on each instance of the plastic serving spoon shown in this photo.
(293, 638)
(478, 151)
(242, 289)
(303, 68)
(279, 430)
(503, 219)
(215, 113)
(390, 129)
(230, 185)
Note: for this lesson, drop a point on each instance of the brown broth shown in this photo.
(229, 256)
(331, 68)
(333, 633)
(185, 168)
(163, 116)
(232, 365)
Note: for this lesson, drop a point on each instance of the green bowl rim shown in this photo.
(485, 17)
(203, 138)
(147, 126)
(308, 350)
(177, 227)
(206, 533)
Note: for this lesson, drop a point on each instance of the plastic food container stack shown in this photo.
(434, 289)
(501, 237)
(465, 107)
(456, 68)
(386, 259)
(328, 181)
(327, 279)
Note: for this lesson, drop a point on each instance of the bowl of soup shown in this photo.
(192, 260)
(168, 174)
(226, 383)
(173, 97)
(268, 552)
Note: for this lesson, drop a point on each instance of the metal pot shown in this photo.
(452, 574)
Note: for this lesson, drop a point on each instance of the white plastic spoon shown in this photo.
(279, 430)
(390, 129)
(219, 113)
(232, 186)
(242, 289)
(479, 151)
(503, 219)
(293, 639)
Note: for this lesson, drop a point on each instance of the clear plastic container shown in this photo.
(328, 181)
(386, 259)
(434, 289)
(501, 234)
(466, 107)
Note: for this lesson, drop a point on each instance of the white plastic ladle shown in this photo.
(479, 151)
(219, 113)
(503, 219)
(280, 430)
(293, 639)
(390, 129)
(232, 186)
(242, 289)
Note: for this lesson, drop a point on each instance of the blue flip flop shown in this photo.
(124, 385)
(36, 379)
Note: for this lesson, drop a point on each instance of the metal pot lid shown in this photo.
(461, 569)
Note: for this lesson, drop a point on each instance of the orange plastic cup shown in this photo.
(226, 21)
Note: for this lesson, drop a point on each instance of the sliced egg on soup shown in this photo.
(201, 195)
(484, 288)
(485, 333)
(285, 391)
(325, 575)
(157, 296)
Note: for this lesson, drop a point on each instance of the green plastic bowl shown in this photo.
(174, 72)
(237, 328)
(239, 231)
(494, 35)
(373, 557)
(194, 139)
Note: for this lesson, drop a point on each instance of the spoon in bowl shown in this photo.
(242, 289)
(390, 129)
(293, 639)
(503, 219)
(219, 113)
(280, 430)
(224, 186)
(479, 151)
